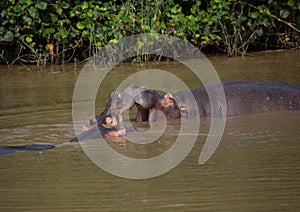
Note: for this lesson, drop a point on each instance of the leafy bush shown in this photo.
(48, 31)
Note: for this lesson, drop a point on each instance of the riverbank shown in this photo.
(57, 32)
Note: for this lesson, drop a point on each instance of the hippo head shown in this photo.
(117, 103)
(121, 101)
(170, 112)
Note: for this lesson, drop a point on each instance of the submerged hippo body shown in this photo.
(246, 98)
(25, 148)
(241, 98)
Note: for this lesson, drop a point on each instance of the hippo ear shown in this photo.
(119, 96)
(169, 95)
(139, 99)
(182, 108)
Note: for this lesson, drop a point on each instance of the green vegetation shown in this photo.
(48, 31)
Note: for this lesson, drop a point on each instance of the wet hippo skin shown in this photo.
(24, 148)
(248, 97)
(241, 98)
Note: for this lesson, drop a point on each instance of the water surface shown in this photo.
(255, 168)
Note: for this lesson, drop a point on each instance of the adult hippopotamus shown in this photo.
(241, 98)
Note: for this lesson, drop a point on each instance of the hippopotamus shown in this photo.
(104, 126)
(145, 100)
(241, 98)
(25, 148)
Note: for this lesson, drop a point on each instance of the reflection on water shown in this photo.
(256, 166)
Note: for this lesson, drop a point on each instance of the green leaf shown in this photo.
(67, 21)
(2, 30)
(27, 19)
(53, 18)
(261, 8)
(260, 32)
(48, 31)
(176, 9)
(90, 13)
(80, 25)
(41, 5)
(65, 5)
(33, 13)
(28, 39)
(284, 13)
(4, 22)
(266, 23)
(72, 13)
(8, 36)
(291, 3)
(85, 33)
(17, 8)
(113, 41)
(82, 16)
(25, 2)
(85, 5)
(98, 44)
(103, 9)
(140, 44)
(12, 21)
(254, 15)
(145, 27)
(59, 11)
(72, 34)
(63, 32)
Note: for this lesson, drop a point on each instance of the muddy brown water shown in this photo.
(255, 168)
